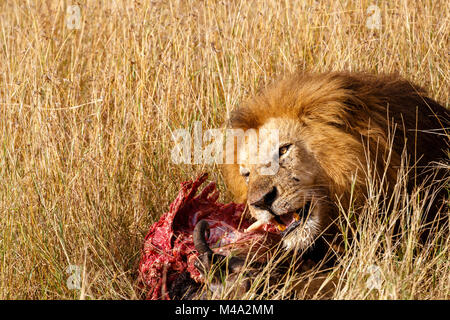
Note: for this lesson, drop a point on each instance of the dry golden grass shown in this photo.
(86, 118)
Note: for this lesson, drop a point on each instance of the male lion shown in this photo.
(336, 130)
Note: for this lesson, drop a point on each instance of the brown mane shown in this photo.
(347, 119)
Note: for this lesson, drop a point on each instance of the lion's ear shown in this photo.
(235, 182)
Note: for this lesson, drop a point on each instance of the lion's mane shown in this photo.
(352, 122)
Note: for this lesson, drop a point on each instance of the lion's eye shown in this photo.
(244, 171)
(283, 149)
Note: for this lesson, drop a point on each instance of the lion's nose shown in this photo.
(265, 200)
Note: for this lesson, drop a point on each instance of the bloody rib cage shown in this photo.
(169, 255)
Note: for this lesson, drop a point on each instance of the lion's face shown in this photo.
(294, 198)
(337, 131)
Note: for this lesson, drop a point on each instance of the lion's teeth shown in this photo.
(259, 224)
(280, 226)
(255, 226)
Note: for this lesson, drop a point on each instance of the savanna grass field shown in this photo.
(90, 92)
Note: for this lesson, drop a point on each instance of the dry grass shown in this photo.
(86, 117)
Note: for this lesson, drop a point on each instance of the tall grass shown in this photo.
(86, 120)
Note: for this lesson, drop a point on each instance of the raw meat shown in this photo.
(169, 253)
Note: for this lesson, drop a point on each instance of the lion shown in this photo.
(336, 130)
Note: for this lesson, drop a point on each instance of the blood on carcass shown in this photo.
(169, 252)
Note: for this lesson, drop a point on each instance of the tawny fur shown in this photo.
(351, 122)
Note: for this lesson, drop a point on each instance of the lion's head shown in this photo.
(335, 131)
